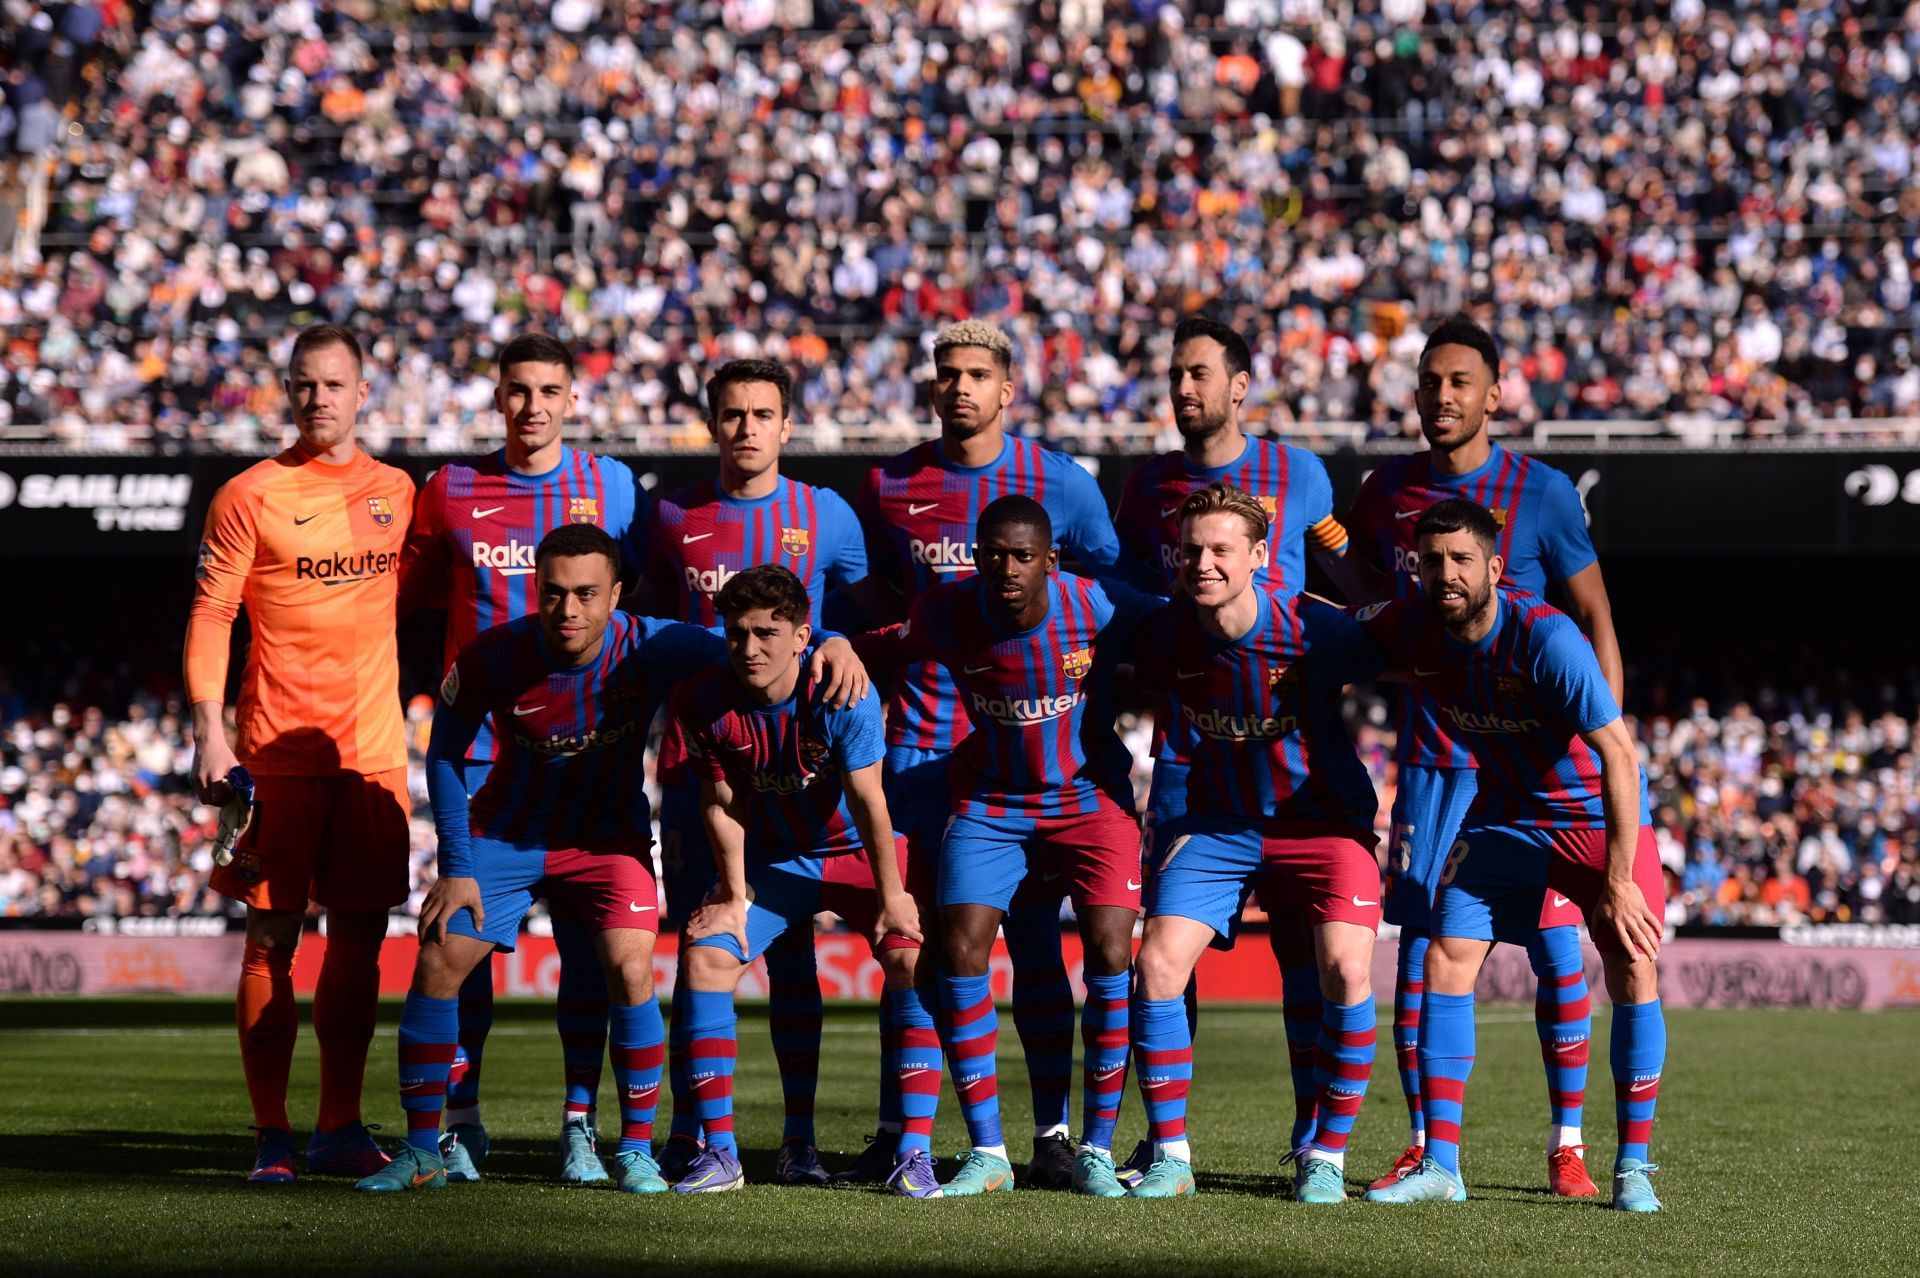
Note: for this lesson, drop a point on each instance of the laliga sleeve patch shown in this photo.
(1369, 612)
(450, 686)
(202, 561)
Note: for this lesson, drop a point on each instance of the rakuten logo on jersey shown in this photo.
(577, 742)
(1170, 558)
(1468, 721)
(710, 581)
(945, 555)
(509, 558)
(1407, 561)
(338, 570)
(780, 782)
(1017, 711)
(1222, 726)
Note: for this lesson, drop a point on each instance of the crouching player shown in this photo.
(1277, 801)
(1561, 809)
(798, 823)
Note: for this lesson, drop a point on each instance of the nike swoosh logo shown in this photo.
(297, 521)
(909, 1073)
(1418, 673)
(1560, 902)
(1155, 1084)
(1407, 514)
(1568, 1047)
(1102, 1074)
(491, 510)
(1170, 511)
(421, 1178)
(1188, 674)
(1133, 885)
(975, 669)
(1359, 904)
(639, 909)
(705, 1179)
(686, 540)
(1641, 1087)
(921, 510)
(1050, 876)
(520, 710)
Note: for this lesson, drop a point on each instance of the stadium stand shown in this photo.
(184, 182)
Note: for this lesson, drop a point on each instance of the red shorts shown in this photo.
(1324, 868)
(606, 887)
(1578, 872)
(340, 841)
(1093, 858)
(847, 889)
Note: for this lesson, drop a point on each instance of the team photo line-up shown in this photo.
(938, 769)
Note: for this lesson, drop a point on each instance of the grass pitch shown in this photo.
(1785, 1137)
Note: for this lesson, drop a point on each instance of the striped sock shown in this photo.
(794, 1013)
(1638, 1049)
(1563, 1018)
(1043, 1016)
(429, 1033)
(1163, 1053)
(1103, 1040)
(1342, 1067)
(1300, 995)
(712, 1046)
(915, 1068)
(976, 1037)
(580, 1013)
(639, 1049)
(1446, 1058)
(476, 1021)
(685, 1121)
(1409, 990)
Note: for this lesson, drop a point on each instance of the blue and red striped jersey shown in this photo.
(919, 511)
(1261, 714)
(785, 761)
(572, 739)
(1519, 699)
(475, 528)
(1034, 749)
(1290, 482)
(1543, 537)
(701, 537)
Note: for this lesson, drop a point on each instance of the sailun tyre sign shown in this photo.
(88, 507)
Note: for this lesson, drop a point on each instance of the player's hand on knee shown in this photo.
(446, 898)
(899, 916)
(720, 916)
(1625, 910)
(838, 673)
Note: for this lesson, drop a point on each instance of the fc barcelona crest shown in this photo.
(1510, 685)
(1271, 505)
(1282, 675)
(583, 510)
(1076, 664)
(795, 541)
(1499, 514)
(382, 512)
(813, 752)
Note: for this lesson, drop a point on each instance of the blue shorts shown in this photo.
(1426, 820)
(1092, 858)
(787, 894)
(1207, 866)
(606, 887)
(686, 858)
(919, 797)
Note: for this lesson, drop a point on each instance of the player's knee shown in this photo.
(274, 929)
(711, 969)
(1109, 954)
(1160, 975)
(1346, 978)
(963, 955)
(630, 981)
(435, 975)
(899, 969)
(1632, 980)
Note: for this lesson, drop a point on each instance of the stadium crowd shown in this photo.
(1766, 813)
(1699, 213)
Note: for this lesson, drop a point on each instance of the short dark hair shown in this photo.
(1457, 514)
(320, 336)
(770, 586)
(1015, 510)
(536, 348)
(1460, 330)
(736, 372)
(569, 540)
(1234, 349)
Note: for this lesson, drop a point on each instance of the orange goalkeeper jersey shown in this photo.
(313, 551)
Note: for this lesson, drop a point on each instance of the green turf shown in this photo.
(1786, 1139)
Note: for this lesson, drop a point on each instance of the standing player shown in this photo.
(563, 811)
(1210, 374)
(309, 542)
(471, 549)
(1543, 538)
(1561, 810)
(919, 510)
(703, 536)
(1040, 786)
(1277, 802)
(792, 799)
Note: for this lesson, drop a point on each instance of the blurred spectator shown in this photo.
(822, 182)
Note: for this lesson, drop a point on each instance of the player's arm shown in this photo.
(867, 801)
(725, 910)
(1587, 604)
(427, 555)
(630, 517)
(1088, 544)
(220, 581)
(1622, 907)
(456, 888)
